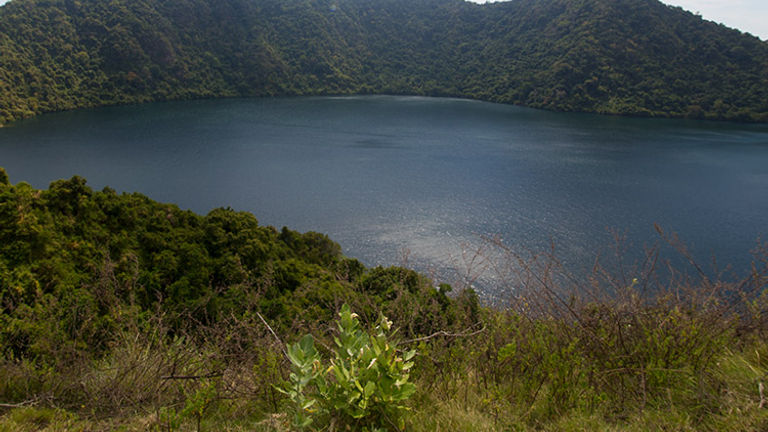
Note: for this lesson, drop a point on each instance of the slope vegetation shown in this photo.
(121, 313)
(635, 57)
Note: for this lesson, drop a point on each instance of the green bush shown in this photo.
(363, 386)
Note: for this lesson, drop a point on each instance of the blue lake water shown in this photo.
(423, 178)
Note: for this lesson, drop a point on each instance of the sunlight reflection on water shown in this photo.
(420, 178)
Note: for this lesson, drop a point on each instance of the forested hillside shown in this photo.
(636, 57)
(73, 261)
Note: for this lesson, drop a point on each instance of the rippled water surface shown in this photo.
(390, 177)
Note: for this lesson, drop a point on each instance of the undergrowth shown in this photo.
(643, 349)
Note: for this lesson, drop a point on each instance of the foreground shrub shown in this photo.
(363, 387)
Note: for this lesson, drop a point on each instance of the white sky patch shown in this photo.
(746, 15)
(749, 16)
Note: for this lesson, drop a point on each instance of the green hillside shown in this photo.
(121, 313)
(635, 57)
(69, 252)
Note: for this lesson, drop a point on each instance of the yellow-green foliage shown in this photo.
(364, 385)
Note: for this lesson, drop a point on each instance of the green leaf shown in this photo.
(307, 345)
(409, 355)
(370, 388)
(406, 391)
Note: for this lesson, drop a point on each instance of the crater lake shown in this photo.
(422, 181)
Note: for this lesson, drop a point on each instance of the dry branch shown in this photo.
(444, 334)
(192, 377)
(282, 345)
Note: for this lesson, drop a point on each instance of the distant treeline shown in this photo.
(629, 57)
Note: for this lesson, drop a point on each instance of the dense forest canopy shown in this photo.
(633, 57)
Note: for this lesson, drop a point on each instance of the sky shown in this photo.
(746, 15)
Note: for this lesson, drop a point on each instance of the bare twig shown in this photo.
(282, 345)
(192, 377)
(444, 334)
(26, 403)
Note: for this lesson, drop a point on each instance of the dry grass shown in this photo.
(644, 347)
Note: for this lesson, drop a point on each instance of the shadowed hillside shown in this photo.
(634, 57)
